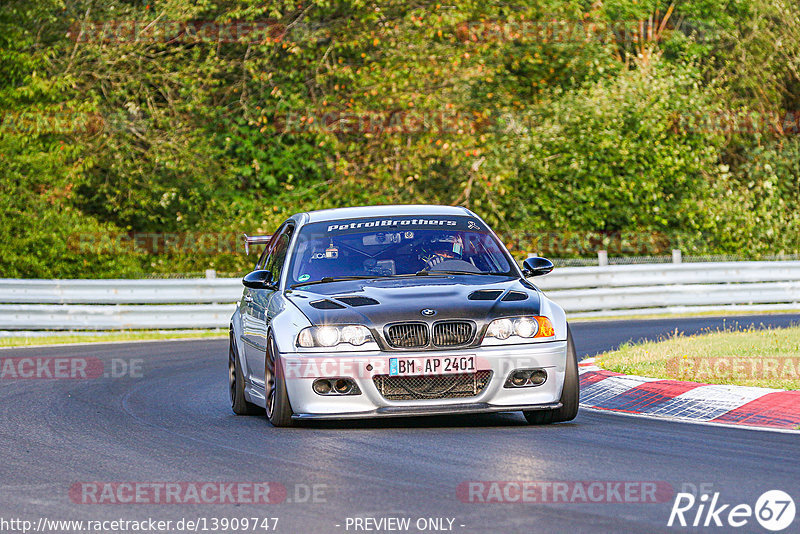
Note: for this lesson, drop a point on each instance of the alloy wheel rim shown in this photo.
(232, 380)
(269, 380)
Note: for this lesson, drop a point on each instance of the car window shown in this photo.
(277, 255)
(396, 246)
(262, 260)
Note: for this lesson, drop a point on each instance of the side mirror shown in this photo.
(261, 279)
(536, 266)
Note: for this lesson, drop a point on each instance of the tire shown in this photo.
(239, 403)
(570, 394)
(279, 410)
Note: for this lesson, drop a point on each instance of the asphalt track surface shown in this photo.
(174, 424)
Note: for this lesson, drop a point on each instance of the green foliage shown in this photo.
(610, 157)
(760, 211)
(553, 116)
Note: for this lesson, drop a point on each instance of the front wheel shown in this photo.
(239, 403)
(279, 411)
(570, 394)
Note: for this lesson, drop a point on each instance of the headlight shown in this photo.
(355, 335)
(518, 330)
(330, 336)
(500, 328)
(526, 327)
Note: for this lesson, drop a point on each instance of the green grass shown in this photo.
(99, 337)
(763, 358)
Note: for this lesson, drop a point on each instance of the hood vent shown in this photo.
(326, 305)
(512, 296)
(355, 300)
(485, 294)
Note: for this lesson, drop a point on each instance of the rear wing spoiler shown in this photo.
(255, 240)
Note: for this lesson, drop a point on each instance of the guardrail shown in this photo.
(674, 288)
(117, 304)
(582, 291)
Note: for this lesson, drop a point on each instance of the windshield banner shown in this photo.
(406, 223)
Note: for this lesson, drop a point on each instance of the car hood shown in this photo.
(377, 302)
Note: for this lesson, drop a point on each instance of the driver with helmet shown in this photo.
(442, 247)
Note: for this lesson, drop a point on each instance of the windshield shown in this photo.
(385, 246)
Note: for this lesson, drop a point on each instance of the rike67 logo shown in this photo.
(774, 510)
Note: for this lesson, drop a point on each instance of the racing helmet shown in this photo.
(444, 246)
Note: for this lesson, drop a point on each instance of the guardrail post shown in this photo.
(677, 257)
(211, 273)
(602, 258)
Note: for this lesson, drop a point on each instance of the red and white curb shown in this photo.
(689, 401)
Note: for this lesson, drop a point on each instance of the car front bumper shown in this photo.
(301, 369)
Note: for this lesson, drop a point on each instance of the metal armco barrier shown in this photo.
(111, 317)
(582, 291)
(674, 288)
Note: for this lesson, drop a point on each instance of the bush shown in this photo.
(614, 156)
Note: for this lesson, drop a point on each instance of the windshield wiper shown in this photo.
(327, 279)
(439, 273)
(425, 273)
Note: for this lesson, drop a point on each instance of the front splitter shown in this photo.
(403, 411)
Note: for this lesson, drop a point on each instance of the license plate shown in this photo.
(444, 365)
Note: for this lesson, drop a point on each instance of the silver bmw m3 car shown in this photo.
(397, 311)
